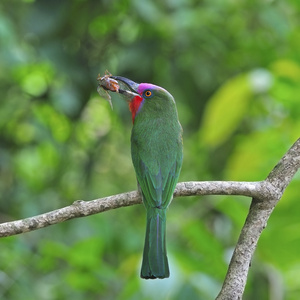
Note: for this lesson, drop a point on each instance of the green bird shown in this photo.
(156, 150)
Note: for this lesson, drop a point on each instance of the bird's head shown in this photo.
(144, 96)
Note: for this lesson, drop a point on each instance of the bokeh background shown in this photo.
(234, 69)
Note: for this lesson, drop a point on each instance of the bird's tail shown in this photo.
(155, 261)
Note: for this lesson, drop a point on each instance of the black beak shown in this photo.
(131, 85)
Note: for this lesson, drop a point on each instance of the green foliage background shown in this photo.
(234, 69)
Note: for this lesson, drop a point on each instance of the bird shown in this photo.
(157, 154)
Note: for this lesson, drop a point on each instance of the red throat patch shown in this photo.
(134, 106)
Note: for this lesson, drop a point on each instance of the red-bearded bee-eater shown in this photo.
(156, 150)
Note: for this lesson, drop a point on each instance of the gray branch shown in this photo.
(82, 208)
(260, 210)
(265, 195)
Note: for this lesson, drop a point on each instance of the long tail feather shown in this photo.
(155, 261)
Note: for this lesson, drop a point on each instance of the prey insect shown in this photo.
(109, 83)
(105, 84)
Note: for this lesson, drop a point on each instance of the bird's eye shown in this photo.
(148, 93)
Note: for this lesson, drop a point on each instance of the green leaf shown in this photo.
(225, 110)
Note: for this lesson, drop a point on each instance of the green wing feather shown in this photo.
(157, 183)
(158, 188)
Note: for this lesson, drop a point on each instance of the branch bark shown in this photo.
(82, 208)
(265, 195)
(260, 210)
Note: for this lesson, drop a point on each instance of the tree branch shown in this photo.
(82, 208)
(265, 195)
(260, 210)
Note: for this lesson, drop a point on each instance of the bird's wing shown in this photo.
(156, 181)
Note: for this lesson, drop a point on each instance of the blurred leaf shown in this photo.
(225, 111)
(205, 249)
(86, 254)
(236, 210)
(251, 159)
(287, 68)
